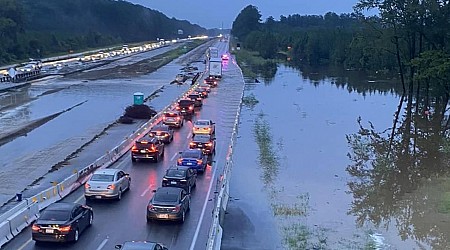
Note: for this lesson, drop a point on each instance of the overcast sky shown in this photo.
(215, 13)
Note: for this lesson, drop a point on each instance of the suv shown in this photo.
(206, 143)
(185, 107)
(211, 81)
(163, 133)
(198, 100)
(150, 148)
(172, 119)
(182, 177)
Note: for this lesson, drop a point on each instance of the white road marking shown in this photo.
(102, 244)
(146, 191)
(197, 230)
(24, 244)
(79, 199)
(119, 165)
(189, 135)
(173, 157)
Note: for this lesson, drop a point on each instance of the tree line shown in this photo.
(41, 28)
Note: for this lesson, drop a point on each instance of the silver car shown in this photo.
(107, 184)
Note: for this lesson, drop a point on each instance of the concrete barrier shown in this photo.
(67, 185)
(23, 204)
(19, 221)
(5, 232)
(33, 213)
(46, 197)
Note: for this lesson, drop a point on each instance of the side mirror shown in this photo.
(118, 246)
(154, 190)
(180, 153)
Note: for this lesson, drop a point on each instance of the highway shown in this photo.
(119, 221)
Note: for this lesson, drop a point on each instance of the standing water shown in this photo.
(328, 163)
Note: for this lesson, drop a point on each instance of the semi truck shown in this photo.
(215, 68)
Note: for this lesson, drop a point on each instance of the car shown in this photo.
(141, 245)
(225, 57)
(211, 81)
(206, 143)
(150, 148)
(162, 133)
(62, 222)
(169, 203)
(107, 184)
(198, 100)
(206, 87)
(173, 119)
(179, 176)
(181, 78)
(185, 107)
(201, 91)
(204, 127)
(194, 159)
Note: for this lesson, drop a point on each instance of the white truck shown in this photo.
(215, 68)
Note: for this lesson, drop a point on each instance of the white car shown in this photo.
(204, 127)
(107, 184)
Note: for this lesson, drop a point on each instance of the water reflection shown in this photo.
(395, 169)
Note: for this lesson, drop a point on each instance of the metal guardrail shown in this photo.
(216, 231)
(22, 215)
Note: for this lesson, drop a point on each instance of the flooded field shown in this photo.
(337, 162)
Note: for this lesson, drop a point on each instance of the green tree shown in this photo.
(247, 21)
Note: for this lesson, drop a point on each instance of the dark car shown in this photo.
(211, 81)
(193, 158)
(201, 91)
(173, 119)
(62, 222)
(162, 133)
(141, 245)
(182, 177)
(147, 148)
(206, 143)
(185, 107)
(169, 203)
(198, 100)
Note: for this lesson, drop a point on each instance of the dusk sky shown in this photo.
(215, 13)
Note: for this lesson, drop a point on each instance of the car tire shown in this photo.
(156, 160)
(129, 185)
(91, 219)
(119, 195)
(76, 236)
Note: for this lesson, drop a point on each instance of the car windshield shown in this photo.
(177, 173)
(170, 115)
(190, 154)
(141, 145)
(201, 138)
(159, 129)
(185, 102)
(202, 123)
(102, 177)
(165, 197)
(55, 215)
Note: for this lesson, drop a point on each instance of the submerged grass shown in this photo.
(250, 101)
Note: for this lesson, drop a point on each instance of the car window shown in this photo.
(202, 123)
(102, 177)
(55, 215)
(170, 115)
(77, 211)
(176, 173)
(190, 154)
(165, 197)
(158, 247)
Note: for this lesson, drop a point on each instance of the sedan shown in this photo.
(203, 127)
(182, 177)
(141, 245)
(62, 222)
(169, 203)
(206, 143)
(162, 133)
(107, 184)
(194, 159)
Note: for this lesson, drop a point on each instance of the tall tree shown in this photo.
(248, 20)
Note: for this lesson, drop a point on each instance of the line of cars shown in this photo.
(64, 221)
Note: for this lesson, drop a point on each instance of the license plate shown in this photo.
(49, 231)
(189, 163)
(163, 216)
(200, 146)
(173, 182)
(143, 151)
(98, 197)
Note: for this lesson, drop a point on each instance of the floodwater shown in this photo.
(316, 166)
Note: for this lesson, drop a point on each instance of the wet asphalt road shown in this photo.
(116, 222)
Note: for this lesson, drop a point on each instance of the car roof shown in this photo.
(138, 245)
(160, 127)
(178, 167)
(169, 190)
(67, 206)
(148, 140)
(202, 120)
(109, 171)
(202, 137)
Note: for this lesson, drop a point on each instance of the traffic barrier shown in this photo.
(19, 221)
(5, 232)
(46, 197)
(33, 213)
(67, 185)
(21, 205)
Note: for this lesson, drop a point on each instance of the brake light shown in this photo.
(191, 108)
(87, 186)
(134, 149)
(35, 227)
(64, 229)
(178, 118)
(192, 143)
(164, 118)
(150, 207)
(111, 187)
(199, 162)
(178, 107)
(209, 144)
(176, 209)
(179, 161)
(153, 149)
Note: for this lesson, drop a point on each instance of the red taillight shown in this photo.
(64, 229)
(192, 143)
(176, 209)
(111, 187)
(134, 149)
(191, 108)
(178, 108)
(150, 207)
(209, 144)
(153, 149)
(199, 162)
(87, 186)
(35, 227)
(179, 161)
(178, 118)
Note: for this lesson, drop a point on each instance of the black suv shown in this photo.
(186, 107)
(163, 133)
(198, 100)
(206, 143)
(182, 177)
(147, 148)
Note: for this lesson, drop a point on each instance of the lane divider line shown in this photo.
(25, 244)
(146, 191)
(189, 135)
(173, 157)
(102, 244)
